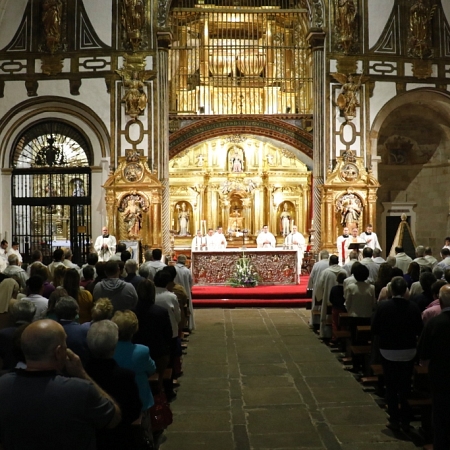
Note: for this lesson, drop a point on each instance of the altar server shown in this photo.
(370, 237)
(341, 246)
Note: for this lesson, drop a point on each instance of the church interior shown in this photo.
(227, 114)
(159, 119)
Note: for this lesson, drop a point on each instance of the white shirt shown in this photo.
(210, 242)
(266, 240)
(110, 242)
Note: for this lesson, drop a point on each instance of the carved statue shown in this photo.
(133, 20)
(237, 165)
(420, 44)
(51, 20)
(285, 218)
(132, 216)
(135, 98)
(351, 210)
(347, 100)
(345, 23)
(183, 220)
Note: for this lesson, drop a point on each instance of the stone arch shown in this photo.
(29, 112)
(410, 143)
(261, 126)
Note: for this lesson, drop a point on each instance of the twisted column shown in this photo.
(164, 39)
(316, 39)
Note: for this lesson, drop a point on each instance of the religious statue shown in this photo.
(235, 222)
(52, 20)
(285, 218)
(347, 100)
(200, 160)
(132, 216)
(345, 23)
(420, 44)
(237, 165)
(351, 210)
(133, 20)
(183, 220)
(135, 98)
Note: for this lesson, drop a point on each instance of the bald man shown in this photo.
(39, 405)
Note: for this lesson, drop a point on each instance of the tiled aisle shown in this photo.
(260, 379)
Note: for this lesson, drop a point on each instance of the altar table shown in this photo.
(274, 266)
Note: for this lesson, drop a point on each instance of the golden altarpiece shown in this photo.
(238, 183)
(349, 198)
(133, 201)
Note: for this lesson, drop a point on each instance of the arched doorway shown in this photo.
(51, 189)
(411, 135)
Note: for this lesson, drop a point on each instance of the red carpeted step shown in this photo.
(245, 303)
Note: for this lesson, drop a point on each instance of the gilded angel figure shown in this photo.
(347, 100)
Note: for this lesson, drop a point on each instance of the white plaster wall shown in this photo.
(100, 15)
(383, 92)
(379, 11)
(10, 17)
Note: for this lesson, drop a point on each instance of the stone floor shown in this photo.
(261, 379)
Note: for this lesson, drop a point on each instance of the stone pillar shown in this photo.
(316, 39)
(164, 39)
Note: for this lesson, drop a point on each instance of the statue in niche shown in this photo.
(420, 44)
(236, 160)
(52, 20)
(350, 208)
(285, 219)
(345, 23)
(183, 219)
(200, 160)
(133, 216)
(347, 100)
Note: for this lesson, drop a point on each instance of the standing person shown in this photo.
(198, 242)
(184, 277)
(402, 260)
(14, 250)
(340, 243)
(353, 239)
(152, 263)
(434, 350)
(105, 245)
(296, 241)
(337, 301)
(266, 239)
(398, 323)
(210, 242)
(67, 411)
(220, 241)
(314, 276)
(370, 237)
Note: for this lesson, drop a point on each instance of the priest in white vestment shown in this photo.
(296, 241)
(199, 242)
(210, 242)
(370, 238)
(105, 245)
(340, 243)
(220, 241)
(326, 281)
(266, 239)
(353, 239)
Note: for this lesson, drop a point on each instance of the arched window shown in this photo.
(51, 190)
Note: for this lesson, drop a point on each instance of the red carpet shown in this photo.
(292, 296)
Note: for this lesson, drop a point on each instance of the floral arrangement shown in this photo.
(245, 274)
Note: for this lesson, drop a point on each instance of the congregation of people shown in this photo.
(406, 304)
(96, 350)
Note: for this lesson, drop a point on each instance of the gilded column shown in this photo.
(316, 38)
(164, 39)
